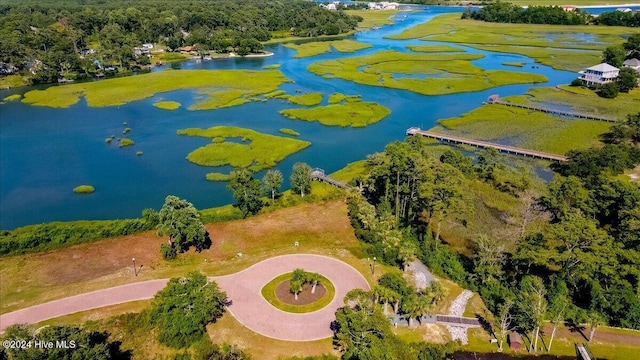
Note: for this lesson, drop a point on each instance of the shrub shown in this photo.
(43, 237)
(139, 153)
(168, 252)
(577, 82)
(609, 90)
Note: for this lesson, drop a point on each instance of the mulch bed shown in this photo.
(304, 297)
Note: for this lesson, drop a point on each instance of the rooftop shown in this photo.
(604, 67)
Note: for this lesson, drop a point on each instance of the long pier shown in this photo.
(484, 144)
(318, 174)
(569, 114)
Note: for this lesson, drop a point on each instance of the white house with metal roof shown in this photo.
(599, 74)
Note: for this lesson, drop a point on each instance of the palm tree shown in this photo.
(423, 306)
(411, 308)
(295, 287)
(314, 280)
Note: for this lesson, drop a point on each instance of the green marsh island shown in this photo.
(253, 150)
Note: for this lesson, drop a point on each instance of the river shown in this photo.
(45, 152)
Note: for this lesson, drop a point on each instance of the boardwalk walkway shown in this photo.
(570, 114)
(485, 144)
(318, 174)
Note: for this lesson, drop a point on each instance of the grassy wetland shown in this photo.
(255, 150)
(222, 87)
(426, 74)
(525, 128)
(349, 113)
(547, 44)
(321, 47)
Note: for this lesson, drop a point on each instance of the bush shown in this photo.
(609, 90)
(168, 252)
(576, 82)
(42, 237)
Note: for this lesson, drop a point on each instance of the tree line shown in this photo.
(579, 264)
(49, 40)
(504, 12)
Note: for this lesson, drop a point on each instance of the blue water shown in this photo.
(45, 153)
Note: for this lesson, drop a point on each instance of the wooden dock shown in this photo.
(569, 114)
(318, 174)
(484, 144)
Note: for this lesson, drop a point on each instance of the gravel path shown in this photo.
(243, 288)
(421, 274)
(457, 309)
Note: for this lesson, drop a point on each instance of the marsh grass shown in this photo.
(514, 64)
(222, 87)
(126, 142)
(448, 73)
(218, 177)
(559, 59)
(353, 114)
(451, 28)
(269, 293)
(258, 151)
(531, 40)
(434, 48)
(168, 105)
(320, 47)
(309, 99)
(336, 98)
(12, 81)
(529, 129)
(289, 132)
(587, 101)
(13, 97)
(84, 189)
(350, 172)
(373, 18)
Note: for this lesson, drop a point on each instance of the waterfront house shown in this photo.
(632, 63)
(599, 74)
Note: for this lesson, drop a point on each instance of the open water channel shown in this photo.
(45, 152)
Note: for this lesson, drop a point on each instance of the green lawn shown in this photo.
(256, 151)
(354, 114)
(443, 73)
(221, 87)
(269, 293)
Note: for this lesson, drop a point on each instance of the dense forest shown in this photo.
(503, 12)
(49, 40)
(579, 263)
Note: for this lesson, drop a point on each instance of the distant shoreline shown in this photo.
(607, 6)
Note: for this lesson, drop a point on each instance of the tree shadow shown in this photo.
(576, 327)
(485, 324)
